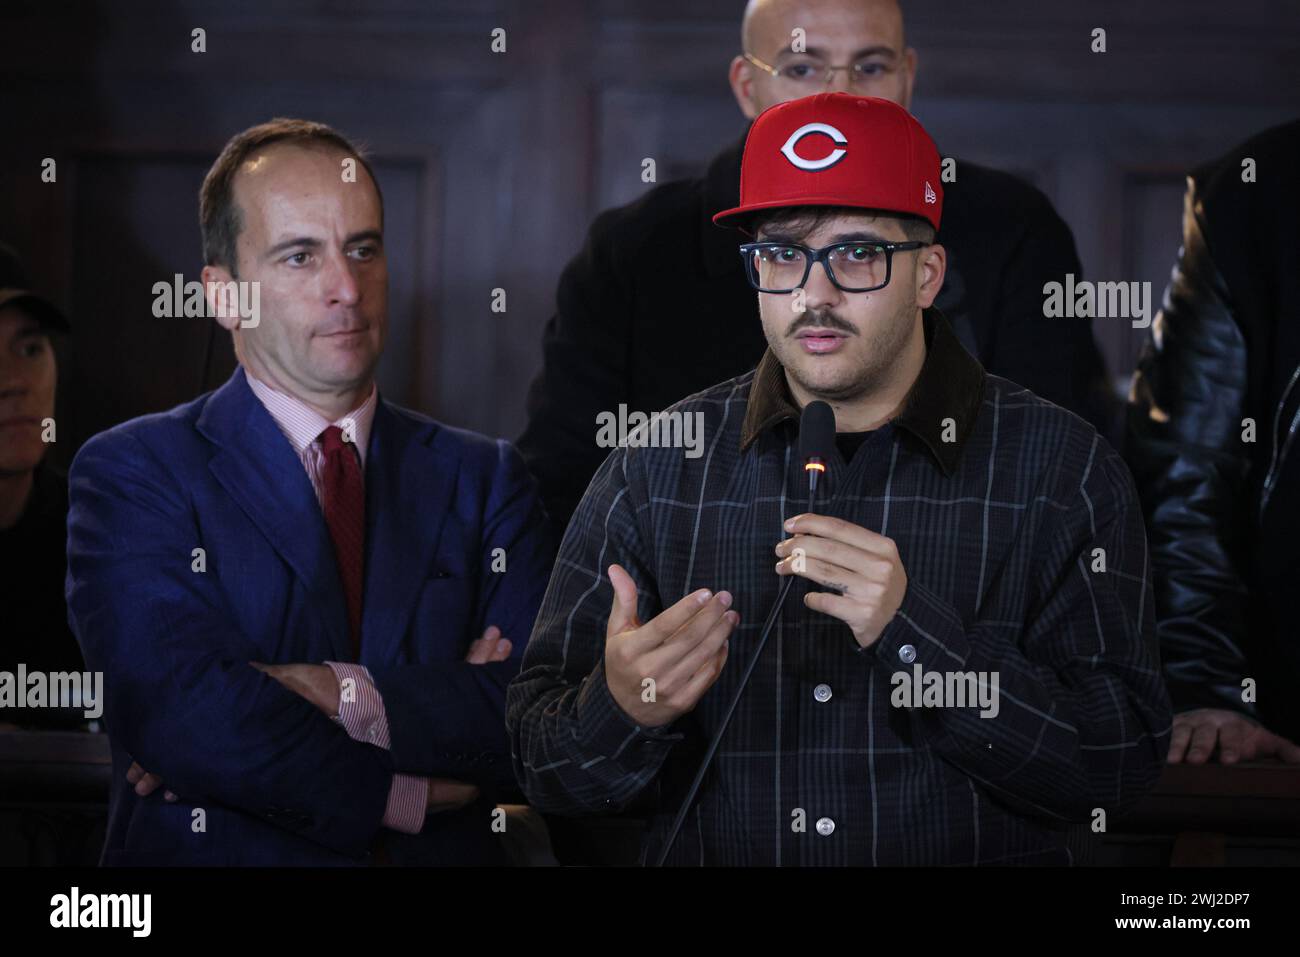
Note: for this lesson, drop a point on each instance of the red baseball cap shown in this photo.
(836, 149)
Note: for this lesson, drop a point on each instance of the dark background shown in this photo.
(492, 165)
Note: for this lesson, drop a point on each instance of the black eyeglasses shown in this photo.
(851, 267)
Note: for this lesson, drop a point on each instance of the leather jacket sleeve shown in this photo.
(1185, 445)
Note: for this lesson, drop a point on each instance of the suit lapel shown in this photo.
(259, 469)
(409, 489)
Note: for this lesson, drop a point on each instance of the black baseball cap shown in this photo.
(16, 289)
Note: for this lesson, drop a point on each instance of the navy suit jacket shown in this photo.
(276, 781)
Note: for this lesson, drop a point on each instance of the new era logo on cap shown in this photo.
(836, 149)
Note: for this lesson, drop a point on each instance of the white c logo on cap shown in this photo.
(830, 160)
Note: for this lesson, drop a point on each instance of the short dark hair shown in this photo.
(220, 218)
(809, 218)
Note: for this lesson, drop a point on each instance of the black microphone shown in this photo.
(816, 438)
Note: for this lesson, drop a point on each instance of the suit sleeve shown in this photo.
(448, 720)
(1057, 359)
(1082, 718)
(584, 372)
(1184, 446)
(182, 698)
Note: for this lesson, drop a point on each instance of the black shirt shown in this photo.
(33, 565)
(849, 442)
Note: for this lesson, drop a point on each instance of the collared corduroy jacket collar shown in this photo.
(946, 396)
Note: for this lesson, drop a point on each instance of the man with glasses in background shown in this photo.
(656, 306)
(966, 534)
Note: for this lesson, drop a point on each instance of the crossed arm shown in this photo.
(188, 702)
(320, 686)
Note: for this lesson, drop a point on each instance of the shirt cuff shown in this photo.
(607, 731)
(925, 631)
(361, 706)
(926, 636)
(408, 800)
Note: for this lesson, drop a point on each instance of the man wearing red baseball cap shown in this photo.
(655, 274)
(967, 672)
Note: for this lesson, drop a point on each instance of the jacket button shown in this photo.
(825, 826)
(822, 693)
(907, 654)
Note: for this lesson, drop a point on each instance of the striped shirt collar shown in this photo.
(302, 425)
(940, 409)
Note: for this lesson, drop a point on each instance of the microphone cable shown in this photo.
(814, 465)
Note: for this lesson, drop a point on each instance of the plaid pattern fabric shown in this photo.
(998, 502)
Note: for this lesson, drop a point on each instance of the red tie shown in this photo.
(345, 514)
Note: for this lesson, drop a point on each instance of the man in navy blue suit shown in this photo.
(307, 603)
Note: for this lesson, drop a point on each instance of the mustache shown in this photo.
(824, 319)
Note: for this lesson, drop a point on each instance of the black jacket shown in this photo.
(656, 307)
(34, 623)
(1223, 505)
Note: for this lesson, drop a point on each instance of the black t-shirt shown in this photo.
(33, 565)
(849, 442)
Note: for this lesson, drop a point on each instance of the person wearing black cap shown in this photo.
(33, 495)
(966, 670)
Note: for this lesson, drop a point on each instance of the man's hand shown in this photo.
(316, 683)
(682, 649)
(146, 783)
(860, 564)
(1239, 738)
(490, 647)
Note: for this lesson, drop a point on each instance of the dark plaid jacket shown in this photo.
(1025, 556)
